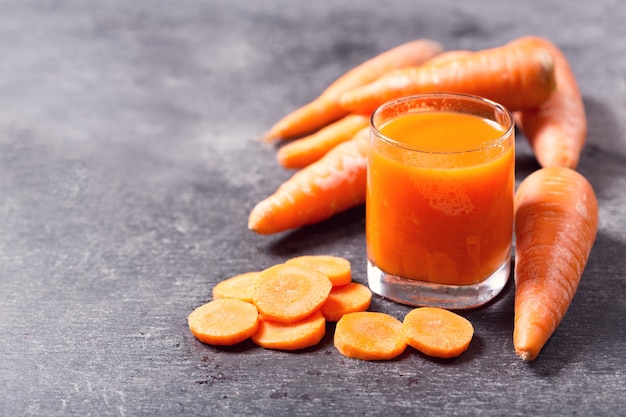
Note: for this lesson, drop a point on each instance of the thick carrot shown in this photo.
(333, 184)
(224, 322)
(448, 56)
(289, 293)
(346, 299)
(291, 336)
(369, 336)
(556, 220)
(518, 75)
(557, 130)
(326, 108)
(307, 150)
(437, 332)
(337, 269)
(238, 286)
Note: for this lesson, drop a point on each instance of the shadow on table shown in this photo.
(337, 230)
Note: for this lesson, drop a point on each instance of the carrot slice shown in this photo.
(287, 293)
(437, 332)
(369, 336)
(224, 322)
(239, 287)
(336, 268)
(291, 336)
(348, 298)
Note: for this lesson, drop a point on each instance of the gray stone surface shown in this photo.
(129, 164)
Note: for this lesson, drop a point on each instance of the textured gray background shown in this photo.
(129, 162)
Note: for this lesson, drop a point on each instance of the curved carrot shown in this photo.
(328, 186)
(518, 75)
(556, 220)
(238, 286)
(292, 336)
(289, 293)
(448, 56)
(369, 336)
(224, 322)
(326, 108)
(345, 299)
(557, 130)
(307, 150)
(337, 269)
(437, 332)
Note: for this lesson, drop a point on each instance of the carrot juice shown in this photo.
(440, 192)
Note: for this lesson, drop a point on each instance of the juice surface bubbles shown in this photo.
(440, 197)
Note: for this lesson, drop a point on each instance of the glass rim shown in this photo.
(443, 95)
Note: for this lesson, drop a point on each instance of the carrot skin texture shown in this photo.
(333, 184)
(326, 108)
(309, 149)
(519, 75)
(557, 129)
(556, 220)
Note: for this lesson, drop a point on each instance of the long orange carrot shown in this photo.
(448, 56)
(518, 75)
(557, 130)
(328, 186)
(307, 150)
(326, 108)
(556, 219)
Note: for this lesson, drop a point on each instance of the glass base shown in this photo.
(452, 297)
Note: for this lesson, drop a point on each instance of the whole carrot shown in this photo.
(307, 150)
(334, 183)
(518, 75)
(557, 130)
(326, 108)
(556, 220)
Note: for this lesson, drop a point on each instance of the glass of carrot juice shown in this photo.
(439, 205)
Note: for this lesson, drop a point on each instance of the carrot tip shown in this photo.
(525, 355)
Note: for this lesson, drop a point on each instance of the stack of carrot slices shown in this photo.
(286, 307)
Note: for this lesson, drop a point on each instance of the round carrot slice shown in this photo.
(369, 336)
(437, 332)
(336, 268)
(224, 322)
(287, 293)
(293, 336)
(346, 299)
(239, 287)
